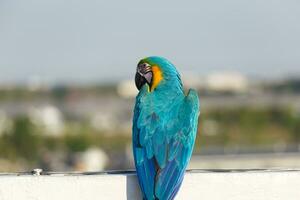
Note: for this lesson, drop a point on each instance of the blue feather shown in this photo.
(164, 132)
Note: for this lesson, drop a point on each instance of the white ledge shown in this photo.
(198, 184)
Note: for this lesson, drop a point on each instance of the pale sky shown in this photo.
(93, 40)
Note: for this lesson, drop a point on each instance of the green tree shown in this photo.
(24, 139)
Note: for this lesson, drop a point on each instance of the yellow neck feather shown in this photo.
(157, 77)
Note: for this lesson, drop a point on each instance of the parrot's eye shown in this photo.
(145, 65)
(143, 75)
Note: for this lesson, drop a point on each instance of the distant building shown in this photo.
(110, 122)
(49, 117)
(93, 159)
(103, 121)
(227, 82)
(192, 80)
(36, 83)
(127, 89)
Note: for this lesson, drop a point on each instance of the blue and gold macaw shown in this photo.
(164, 128)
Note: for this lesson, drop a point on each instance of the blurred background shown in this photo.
(67, 70)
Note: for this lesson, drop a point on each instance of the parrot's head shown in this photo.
(157, 72)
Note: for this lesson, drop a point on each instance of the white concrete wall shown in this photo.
(202, 185)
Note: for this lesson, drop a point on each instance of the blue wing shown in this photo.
(163, 141)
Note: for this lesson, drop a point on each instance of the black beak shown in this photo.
(143, 75)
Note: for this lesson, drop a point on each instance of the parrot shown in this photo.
(165, 122)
